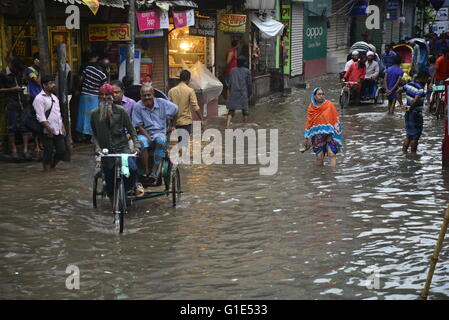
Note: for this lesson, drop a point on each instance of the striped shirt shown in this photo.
(94, 78)
(412, 90)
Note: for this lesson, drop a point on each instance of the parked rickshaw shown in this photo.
(405, 51)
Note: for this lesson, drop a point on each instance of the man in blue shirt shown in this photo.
(150, 117)
(413, 112)
(387, 58)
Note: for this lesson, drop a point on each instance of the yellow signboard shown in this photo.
(109, 32)
(235, 23)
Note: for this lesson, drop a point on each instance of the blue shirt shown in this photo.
(33, 73)
(412, 90)
(154, 120)
(387, 59)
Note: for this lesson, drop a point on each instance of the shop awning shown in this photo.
(269, 27)
(108, 3)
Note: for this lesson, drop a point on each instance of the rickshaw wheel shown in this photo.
(95, 191)
(344, 100)
(175, 186)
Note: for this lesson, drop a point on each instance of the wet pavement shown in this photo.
(304, 233)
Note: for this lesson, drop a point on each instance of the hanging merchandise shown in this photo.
(93, 5)
(153, 19)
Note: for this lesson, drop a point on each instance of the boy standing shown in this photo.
(393, 77)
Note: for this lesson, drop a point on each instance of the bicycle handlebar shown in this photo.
(116, 155)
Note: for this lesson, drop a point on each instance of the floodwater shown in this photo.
(363, 230)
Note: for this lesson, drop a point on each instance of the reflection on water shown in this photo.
(305, 233)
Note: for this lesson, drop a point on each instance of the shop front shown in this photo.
(189, 45)
(193, 48)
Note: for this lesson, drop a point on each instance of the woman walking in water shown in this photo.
(323, 129)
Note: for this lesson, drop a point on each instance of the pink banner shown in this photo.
(152, 19)
(183, 19)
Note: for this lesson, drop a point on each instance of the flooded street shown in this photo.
(303, 233)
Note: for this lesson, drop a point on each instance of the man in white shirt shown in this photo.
(372, 73)
(49, 116)
(355, 57)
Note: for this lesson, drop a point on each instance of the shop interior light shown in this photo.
(185, 46)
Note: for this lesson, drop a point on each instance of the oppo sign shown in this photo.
(314, 32)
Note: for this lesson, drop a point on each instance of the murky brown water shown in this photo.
(305, 233)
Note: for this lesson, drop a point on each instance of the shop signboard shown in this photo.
(183, 19)
(109, 32)
(286, 20)
(392, 10)
(319, 8)
(233, 23)
(203, 27)
(150, 33)
(392, 5)
(442, 14)
(152, 19)
(440, 26)
(360, 8)
(315, 38)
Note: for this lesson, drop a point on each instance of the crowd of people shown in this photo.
(428, 67)
(115, 115)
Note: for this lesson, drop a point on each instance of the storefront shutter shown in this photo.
(337, 34)
(297, 39)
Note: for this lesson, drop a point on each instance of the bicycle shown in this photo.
(345, 93)
(436, 104)
(119, 194)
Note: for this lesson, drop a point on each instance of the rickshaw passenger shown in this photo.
(372, 73)
(355, 57)
(356, 73)
(442, 67)
(150, 117)
(109, 122)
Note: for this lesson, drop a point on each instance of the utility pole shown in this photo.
(131, 47)
(62, 88)
(40, 16)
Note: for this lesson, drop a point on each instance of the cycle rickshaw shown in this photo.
(377, 93)
(169, 177)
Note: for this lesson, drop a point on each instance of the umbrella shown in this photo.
(360, 46)
(421, 42)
